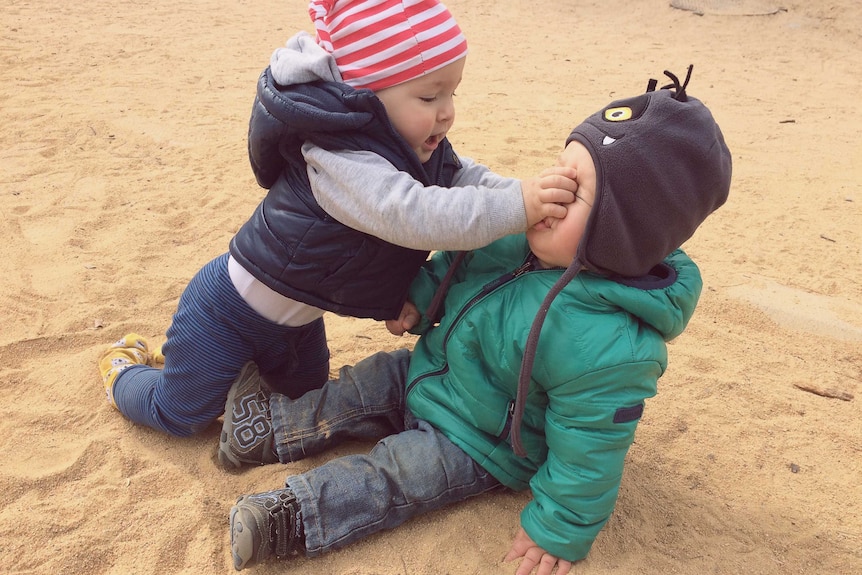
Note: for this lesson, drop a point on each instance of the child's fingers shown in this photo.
(556, 211)
(558, 194)
(560, 182)
(394, 326)
(565, 171)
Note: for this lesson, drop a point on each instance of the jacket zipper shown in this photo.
(486, 289)
(507, 427)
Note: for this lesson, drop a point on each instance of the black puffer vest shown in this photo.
(291, 244)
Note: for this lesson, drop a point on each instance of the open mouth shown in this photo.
(431, 143)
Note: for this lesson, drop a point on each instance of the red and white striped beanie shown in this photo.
(380, 43)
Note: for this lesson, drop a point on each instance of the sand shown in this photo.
(123, 169)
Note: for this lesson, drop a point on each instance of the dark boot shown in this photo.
(263, 525)
(247, 435)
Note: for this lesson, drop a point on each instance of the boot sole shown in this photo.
(226, 458)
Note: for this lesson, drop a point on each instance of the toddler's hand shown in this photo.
(408, 318)
(534, 557)
(547, 195)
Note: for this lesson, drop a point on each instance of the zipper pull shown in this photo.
(507, 427)
(524, 268)
(521, 270)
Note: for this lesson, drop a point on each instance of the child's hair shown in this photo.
(380, 43)
(661, 168)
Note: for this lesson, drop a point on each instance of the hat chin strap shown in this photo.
(530, 353)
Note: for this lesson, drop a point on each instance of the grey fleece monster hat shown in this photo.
(661, 168)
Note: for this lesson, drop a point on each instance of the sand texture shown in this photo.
(123, 169)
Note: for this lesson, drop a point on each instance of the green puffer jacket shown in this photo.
(601, 352)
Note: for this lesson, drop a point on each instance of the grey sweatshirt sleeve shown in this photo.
(364, 191)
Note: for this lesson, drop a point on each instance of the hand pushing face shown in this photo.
(555, 241)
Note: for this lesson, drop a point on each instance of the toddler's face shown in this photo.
(555, 241)
(423, 109)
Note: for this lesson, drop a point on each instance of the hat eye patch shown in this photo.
(626, 110)
(618, 114)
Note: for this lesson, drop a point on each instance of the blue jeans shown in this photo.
(413, 469)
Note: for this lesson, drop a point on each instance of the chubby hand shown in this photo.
(407, 319)
(534, 556)
(547, 194)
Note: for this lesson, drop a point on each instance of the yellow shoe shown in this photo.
(129, 350)
(156, 356)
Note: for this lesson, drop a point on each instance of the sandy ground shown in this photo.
(123, 169)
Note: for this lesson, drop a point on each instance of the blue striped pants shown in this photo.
(213, 334)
